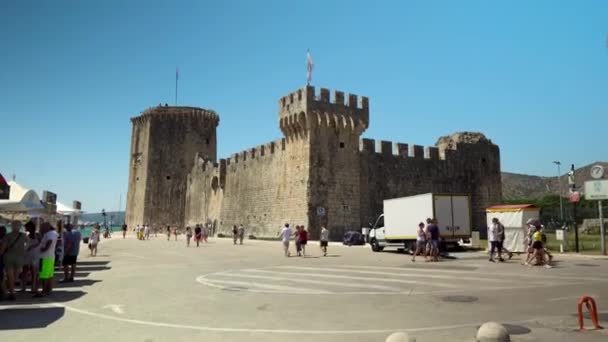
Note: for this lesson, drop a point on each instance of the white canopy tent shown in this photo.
(21, 201)
(513, 218)
(64, 210)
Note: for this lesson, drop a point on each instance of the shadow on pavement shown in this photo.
(92, 263)
(26, 298)
(77, 283)
(29, 318)
(91, 268)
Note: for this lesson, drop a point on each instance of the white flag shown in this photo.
(309, 66)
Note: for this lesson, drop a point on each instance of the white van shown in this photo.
(396, 227)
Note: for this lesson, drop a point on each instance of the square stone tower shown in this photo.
(331, 127)
(164, 140)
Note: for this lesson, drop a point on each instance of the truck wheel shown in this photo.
(375, 246)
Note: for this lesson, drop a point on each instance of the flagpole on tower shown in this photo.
(176, 78)
(309, 67)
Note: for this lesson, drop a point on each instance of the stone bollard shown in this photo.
(400, 337)
(492, 332)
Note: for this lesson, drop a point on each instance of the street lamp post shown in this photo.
(103, 213)
(559, 187)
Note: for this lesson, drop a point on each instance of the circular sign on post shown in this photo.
(597, 171)
(320, 211)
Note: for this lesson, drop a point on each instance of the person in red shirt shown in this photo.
(303, 239)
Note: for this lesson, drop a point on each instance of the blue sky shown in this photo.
(531, 75)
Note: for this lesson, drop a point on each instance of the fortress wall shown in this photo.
(138, 175)
(390, 170)
(266, 187)
(205, 192)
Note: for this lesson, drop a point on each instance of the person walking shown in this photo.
(71, 243)
(297, 241)
(188, 236)
(434, 236)
(285, 235)
(175, 233)
(494, 238)
(168, 233)
(501, 239)
(324, 240)
(241, 233)
(420, 241)
(12, 250)
(146, 232)
(94, 240)
(47, 258)
(235, 234)
(124, 230)
(303, 238)
(198, 234)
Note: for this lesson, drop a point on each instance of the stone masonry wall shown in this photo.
(266, 187)
(396, 170)
(138, 171)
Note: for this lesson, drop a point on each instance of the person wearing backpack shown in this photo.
(12, 249)
(501, 239)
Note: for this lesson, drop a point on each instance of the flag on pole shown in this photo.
(309, 67)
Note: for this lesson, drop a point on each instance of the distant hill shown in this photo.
(118, 219)
(518, 186)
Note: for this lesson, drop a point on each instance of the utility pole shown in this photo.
(559, 189)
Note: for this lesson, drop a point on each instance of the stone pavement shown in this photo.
(161, 291)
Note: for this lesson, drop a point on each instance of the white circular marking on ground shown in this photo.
(268, 331)
(352, 280)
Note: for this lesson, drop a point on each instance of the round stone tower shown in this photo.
(164, 143)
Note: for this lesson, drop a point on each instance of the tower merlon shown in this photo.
(431, 153)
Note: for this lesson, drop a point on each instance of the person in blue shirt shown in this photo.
(71, 240)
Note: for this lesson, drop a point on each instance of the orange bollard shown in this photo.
(592, 308)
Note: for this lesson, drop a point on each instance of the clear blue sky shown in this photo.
(531, 75)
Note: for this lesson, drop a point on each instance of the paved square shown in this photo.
(162, 291)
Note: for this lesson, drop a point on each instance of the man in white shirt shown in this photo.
(324, 240)
(285, 235)
(47, 258)
(494, 235)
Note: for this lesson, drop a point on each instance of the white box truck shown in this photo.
(396, 227)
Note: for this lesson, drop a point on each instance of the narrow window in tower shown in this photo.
(341, 145)
(168, 177)
(483, 160)
(207, 141)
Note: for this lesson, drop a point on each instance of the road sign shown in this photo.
(574, 196)
(559, 234)
(320, 211)
(597, 171)
(596, 189)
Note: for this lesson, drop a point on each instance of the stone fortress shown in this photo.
(319, 173)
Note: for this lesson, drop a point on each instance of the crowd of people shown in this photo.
(301, 239)
(31, 257)
(427, 240)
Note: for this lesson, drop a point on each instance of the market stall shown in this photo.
(513, 217)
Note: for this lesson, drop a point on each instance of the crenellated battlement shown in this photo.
(178, 113)
(304, 109)
(258, 152)
(401, 150)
